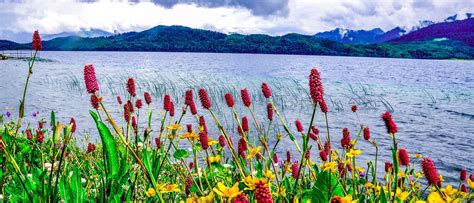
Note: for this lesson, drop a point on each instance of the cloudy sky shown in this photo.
(273, 17)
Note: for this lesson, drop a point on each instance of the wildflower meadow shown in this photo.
(137, 160)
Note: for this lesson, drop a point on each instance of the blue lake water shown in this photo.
(432, 100)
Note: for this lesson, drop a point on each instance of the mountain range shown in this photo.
(377, 35)
(451, 38)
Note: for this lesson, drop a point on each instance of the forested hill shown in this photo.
(184, 39)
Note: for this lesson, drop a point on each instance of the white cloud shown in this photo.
(303, 16)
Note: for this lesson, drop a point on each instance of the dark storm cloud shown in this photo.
(257, 7)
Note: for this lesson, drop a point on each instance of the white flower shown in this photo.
(83, 180)
(29, 176)
(227, 166)
(140, 144)
(254, 173)
(1, 197)
(125, 187)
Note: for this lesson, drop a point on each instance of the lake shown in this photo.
(432, 100)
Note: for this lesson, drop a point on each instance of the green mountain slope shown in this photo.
(184, 39)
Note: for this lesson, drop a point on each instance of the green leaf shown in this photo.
(147, 163)
(64, 191)
(324, 180)
(109, 146)
(181, 154)
(76, 186)
(53, 121)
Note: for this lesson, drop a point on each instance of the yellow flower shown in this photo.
(192, 136)
(150, 192)
(420, 201)
(214, 159)
(212, 141)
(281, 191)
(359, 169)
(329, 166)
(208, 198)
(353, 153)
(348, 199)
(449, 191)
(229, 192)
(401, 195)
(174, 127)
(254, 151)
(166, 188)
(441, 178)
(470, 183)
(251, 182)
(418, 156)
(269, 174)
(401, 174)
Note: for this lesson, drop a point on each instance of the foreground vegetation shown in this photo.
(138, 160)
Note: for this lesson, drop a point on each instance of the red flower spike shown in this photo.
(275, 158)
(294, 170)
(189, 128)
(463, 188)
(229, 100)
(403, 157)
(288, 156)
(188, 184)
(171, 109)
(147, 97)
(204, 140)
(388, 167)
(139, 104)
(202, 123)
(242, 145)
(94, 101)
(429, 169)
(267, 93)
(346, 139)
(245, 124)
(90, 148)
(323, 106)
(29, 136)
(315, 130)
(134, 123)
(354, 108)
(299, 126)
(158, 143)
(336, 199)
(241, 198)
(167, 102)
(39, 136)
(90, 79)
(270, 111)
(316, 86)
(126, 113)
(188, 97)
(131, 87)
(36, 43)
(262, 193)
(313, 136)
(204, 97)
(192, 108)
(463, 175)
(73, 122)
(323, 155)
(191, 164)
(130, 106)
(222, 141)
(366, 133)
(389, 123)
(307, 155)
(246, 97)
(119, 100)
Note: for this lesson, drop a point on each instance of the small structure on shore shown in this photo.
(14, 54)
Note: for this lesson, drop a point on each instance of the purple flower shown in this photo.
(8, 114)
